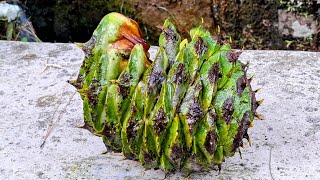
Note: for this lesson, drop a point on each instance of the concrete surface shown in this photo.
(286, 145)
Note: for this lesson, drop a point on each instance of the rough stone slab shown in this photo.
(286, 144)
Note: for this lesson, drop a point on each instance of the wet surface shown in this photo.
(285, 144)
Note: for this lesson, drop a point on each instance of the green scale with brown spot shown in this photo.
(185, 111)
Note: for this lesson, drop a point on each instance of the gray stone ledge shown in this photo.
(287, 142)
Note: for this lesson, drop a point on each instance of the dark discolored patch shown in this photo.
(242, 131)
(111, 138)
(219, 75)
(195, 113)
(210, 143)
(200, 47)
(92, 98)
(155, 79)
(241, 85)
(214, 73)
(93, 92)
(171, 44)
(198, 86)
(124, 79)
(87, 48)
(109, 132)
(227, 110)
(170, 34)
(148, 159)
(160, 121)
(131, 130)
(176, 153)
(233, 55)
(124, 84)
(132, 126)
(180, 75)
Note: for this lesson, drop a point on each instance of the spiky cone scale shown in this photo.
(190, 113)
(153, 80)
(226, 105)
(159, 120)
(95, 86)
(133, 124)
(193, 106)
(130, 77)
(209, 74)
(173, 147)
(154, 77)
(225, 64)
(200, 48)
(188, 110)
(201, 156)
(111, 133)
(169, 41)
(162, 121)
(205, 139)
(108, 69)
(119, 95)
(204, 131)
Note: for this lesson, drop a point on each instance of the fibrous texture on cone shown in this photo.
(187, 110)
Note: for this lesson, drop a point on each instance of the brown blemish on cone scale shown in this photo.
(241, 85)
(233, 55)
(213, 73)
(170, 35)
(244, 124)
(156, 78)
(200, 47)
(132, 125)
(227, 110)
(160, 121)
(210, 143)
(194, 114)
(124, 84)
(171, 45)
(177, 153)
(180, 75)
(88, 46)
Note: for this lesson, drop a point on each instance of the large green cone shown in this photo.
(188, 110)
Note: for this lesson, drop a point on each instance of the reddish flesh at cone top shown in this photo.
(128, 37)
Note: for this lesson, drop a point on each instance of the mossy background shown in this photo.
(252, 24)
